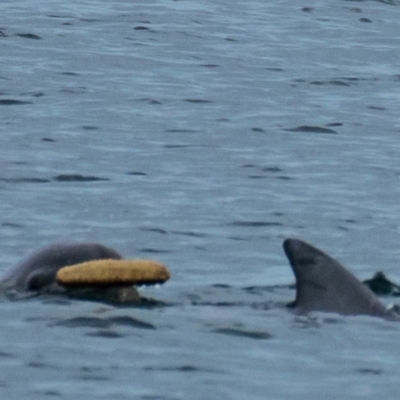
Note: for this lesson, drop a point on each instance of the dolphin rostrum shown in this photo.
(323, 284)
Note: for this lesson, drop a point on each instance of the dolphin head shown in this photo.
(38, 272)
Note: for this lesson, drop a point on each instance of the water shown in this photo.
(200, 134)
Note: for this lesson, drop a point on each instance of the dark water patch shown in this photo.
(28, 36)
(180, 130)
(24, 180)
(67, 73)
(365, 20)
(103, 323)
(370, 371)
(332, 320)
(229, 39)
(311, 129)
(259, 130)
(83, 322)
(268, 288)
(197, 101)
(307, 9)
(46, 139)
(390, 2)
(239, 238)
(255, 224)
(209, 65)
(334, 82)
(272, 169)
(58, 16)
(13, 102)
(92, 374)
(5, 354)
(274, 69)
(2, 33)
(307, 322)
(154, 251)
(177, 146)
(105, 333)
(338, 81)
(37, 364)
(34, 94)
(141, 28)
(90, 20)
(156, 397)
(334, 124)
(39, 319)
(156, 230)
(136, 173)
(78, 178)
(223, 304)
(221, 286)
(377, 108)
(131, 322)
(259, 335)
(149, 100)
(257, 177)
(354, 9)
(52, 393)
(189, 233)
(12, 225)
(181, 368)
(352, 79)
(74, 90)
(90, 128)
(185, 146)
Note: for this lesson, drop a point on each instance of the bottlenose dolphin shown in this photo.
(37, 274)
(323, 284)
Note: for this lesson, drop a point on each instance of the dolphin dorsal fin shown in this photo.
(323, 284)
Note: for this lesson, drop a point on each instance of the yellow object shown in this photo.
(113, 272)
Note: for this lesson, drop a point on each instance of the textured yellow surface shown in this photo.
(114, 272)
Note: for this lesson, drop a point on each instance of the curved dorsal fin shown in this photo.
(323, 284)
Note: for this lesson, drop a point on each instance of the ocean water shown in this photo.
(200, 133)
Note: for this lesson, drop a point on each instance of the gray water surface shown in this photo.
(200, 133)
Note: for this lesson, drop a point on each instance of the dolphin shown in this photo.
(39, 269)
(37, 273)
(323, 284)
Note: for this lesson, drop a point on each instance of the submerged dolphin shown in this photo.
(37, 274)
(323, 284)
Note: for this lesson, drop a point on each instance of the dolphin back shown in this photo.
(323, 284)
